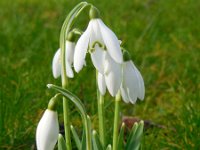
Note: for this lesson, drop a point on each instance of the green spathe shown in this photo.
(94, 13)
(53, 102)
(71, 36)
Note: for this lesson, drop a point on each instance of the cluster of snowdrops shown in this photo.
(115, 73)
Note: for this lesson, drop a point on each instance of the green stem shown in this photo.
(116, 120)
(67, 25)
(101, 119)
(67, 123)
(65, 85)
(101, 114)
(88, 133)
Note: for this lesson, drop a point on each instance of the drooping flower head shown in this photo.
(132, 86)
(124, 77)
(96, 31)
(69, 55)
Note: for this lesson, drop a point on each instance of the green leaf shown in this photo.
(81, 109)
(133, 130)
(90, 130)
(73, 98)
(76, 138)
(61, 143)
(83, 142)
(96, 141)
(134, 143)
(121, 137)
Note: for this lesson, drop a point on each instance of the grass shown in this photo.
(163, 38)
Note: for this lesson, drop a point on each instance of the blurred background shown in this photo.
(163, 38)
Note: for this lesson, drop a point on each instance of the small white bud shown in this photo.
(47, 130)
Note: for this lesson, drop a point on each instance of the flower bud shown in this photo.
(47, 130)
(94, 13)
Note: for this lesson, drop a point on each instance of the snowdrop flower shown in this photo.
(96, 31)
(69, 55)
(132, 84)
(111, 77)
(47, 129)
(125, 78)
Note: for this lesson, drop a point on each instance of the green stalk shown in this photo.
(100, 99)
(116, 120)
(88, 134)
(69, 21)
(101, 119)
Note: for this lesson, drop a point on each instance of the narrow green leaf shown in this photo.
(61, 143)
(136, 137)
(76, 138)
(133, 130)
(83, 142)
(139, 132)
(121, 137)
(96, 141)
(90, 130)
(73, 98)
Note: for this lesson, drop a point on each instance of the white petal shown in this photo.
(56, 64)
(132, 96)
(124, 95)
(128, 84)
(69, 54)
(81, 49)
(141, 90)
(69, 70)
(101, 84)
(132, 81)
(96, 30)
(98, 58)
(114, 76)
(123, 88)
(47, 131)
(92, 37)
(111, 42)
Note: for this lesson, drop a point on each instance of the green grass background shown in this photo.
(163, 37)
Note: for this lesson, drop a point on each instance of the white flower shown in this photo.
(124, 77)
(96, 31)
(47, 131)
(111, 76)
(69, 55)
(132, 85)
